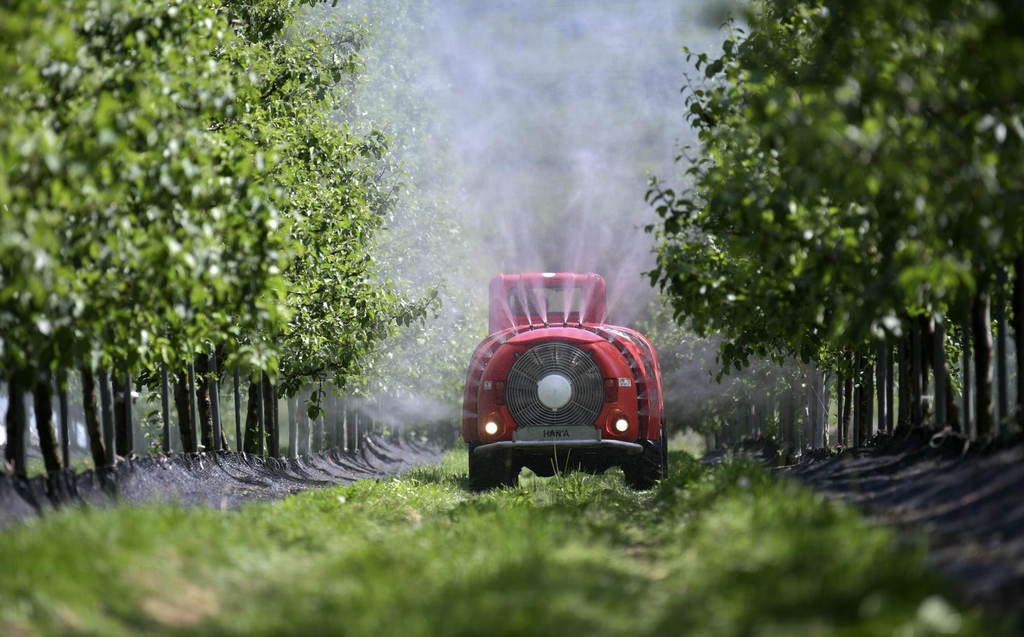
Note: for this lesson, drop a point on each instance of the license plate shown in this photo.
(555, 434)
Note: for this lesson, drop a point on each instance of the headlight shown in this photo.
(621, 424)
(491, 428)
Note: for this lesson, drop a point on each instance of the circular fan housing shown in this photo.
(554, 384)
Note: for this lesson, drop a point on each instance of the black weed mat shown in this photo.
(223, 480)
(969, 500)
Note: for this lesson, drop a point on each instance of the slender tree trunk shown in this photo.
(331, 419)
(808, 429)
(120, 417)
(948, 414)
(318, 434)
(840, 405)
(919, 377)
(982, 328)
(251, 443)
(65, 419)
(42, 402)
(352, 432)
(793, 417)
(347, 423)
(302, 427)
(784, 440)
(952, 409)
(1002, 386)
(183, 405)
(858, 398)
(294, 448)
(17, 424)
(903, 380)
(204, 402)
(890, 377)
(880, 366)
(969, 422)
(270, 417)
(927, 354)
(867, 395)
(1018, 329)
(848, 391)
(93, 425)
(826, 399)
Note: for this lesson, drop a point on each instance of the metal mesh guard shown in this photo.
(555, 358)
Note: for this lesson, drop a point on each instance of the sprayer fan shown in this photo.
(586, 387)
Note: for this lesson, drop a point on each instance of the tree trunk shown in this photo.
(107, 417)
(793, 402)
(294, 447)
(881, 363)
(952, 409)
(826, 398)
(867, 395)
(252, 421)
(270, 417)
(120, 417)
(784, 440)
(17, 424)
(304, 430)
(938, 358)
(890, 377)
(968, 413)
(858, 398)
(93, 426)
(331, 419)
(65, 419)
(982, 328)
(918, 377)
(903, 380)
(840, 406)
(1001, 383)
(1018, 329)
(352, 431)
(203, 401)
(812, 412)
(236, 386)
(183, 405)
(847, 411)
(42, 402)
(927, 354)
(317, 444)
(165, 410)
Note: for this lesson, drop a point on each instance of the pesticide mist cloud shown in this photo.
(530, 126)
(558, 109)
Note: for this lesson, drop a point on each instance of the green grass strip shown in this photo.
(715, 551)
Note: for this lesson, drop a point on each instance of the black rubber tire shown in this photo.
(643, 470)
(492, 472)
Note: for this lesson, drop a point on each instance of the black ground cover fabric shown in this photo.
(222, 480)
(968, 499)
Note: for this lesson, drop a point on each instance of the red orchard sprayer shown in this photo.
(554, 387)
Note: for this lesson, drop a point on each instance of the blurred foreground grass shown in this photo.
(714, 551)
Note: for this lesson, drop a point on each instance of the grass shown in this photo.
(713, 551)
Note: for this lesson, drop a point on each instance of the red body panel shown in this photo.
(522, 317)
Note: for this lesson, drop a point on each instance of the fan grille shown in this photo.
(555, 358)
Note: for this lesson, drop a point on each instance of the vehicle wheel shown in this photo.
(491, 473)
(643, 470)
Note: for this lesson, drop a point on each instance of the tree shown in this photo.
(857, 168)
